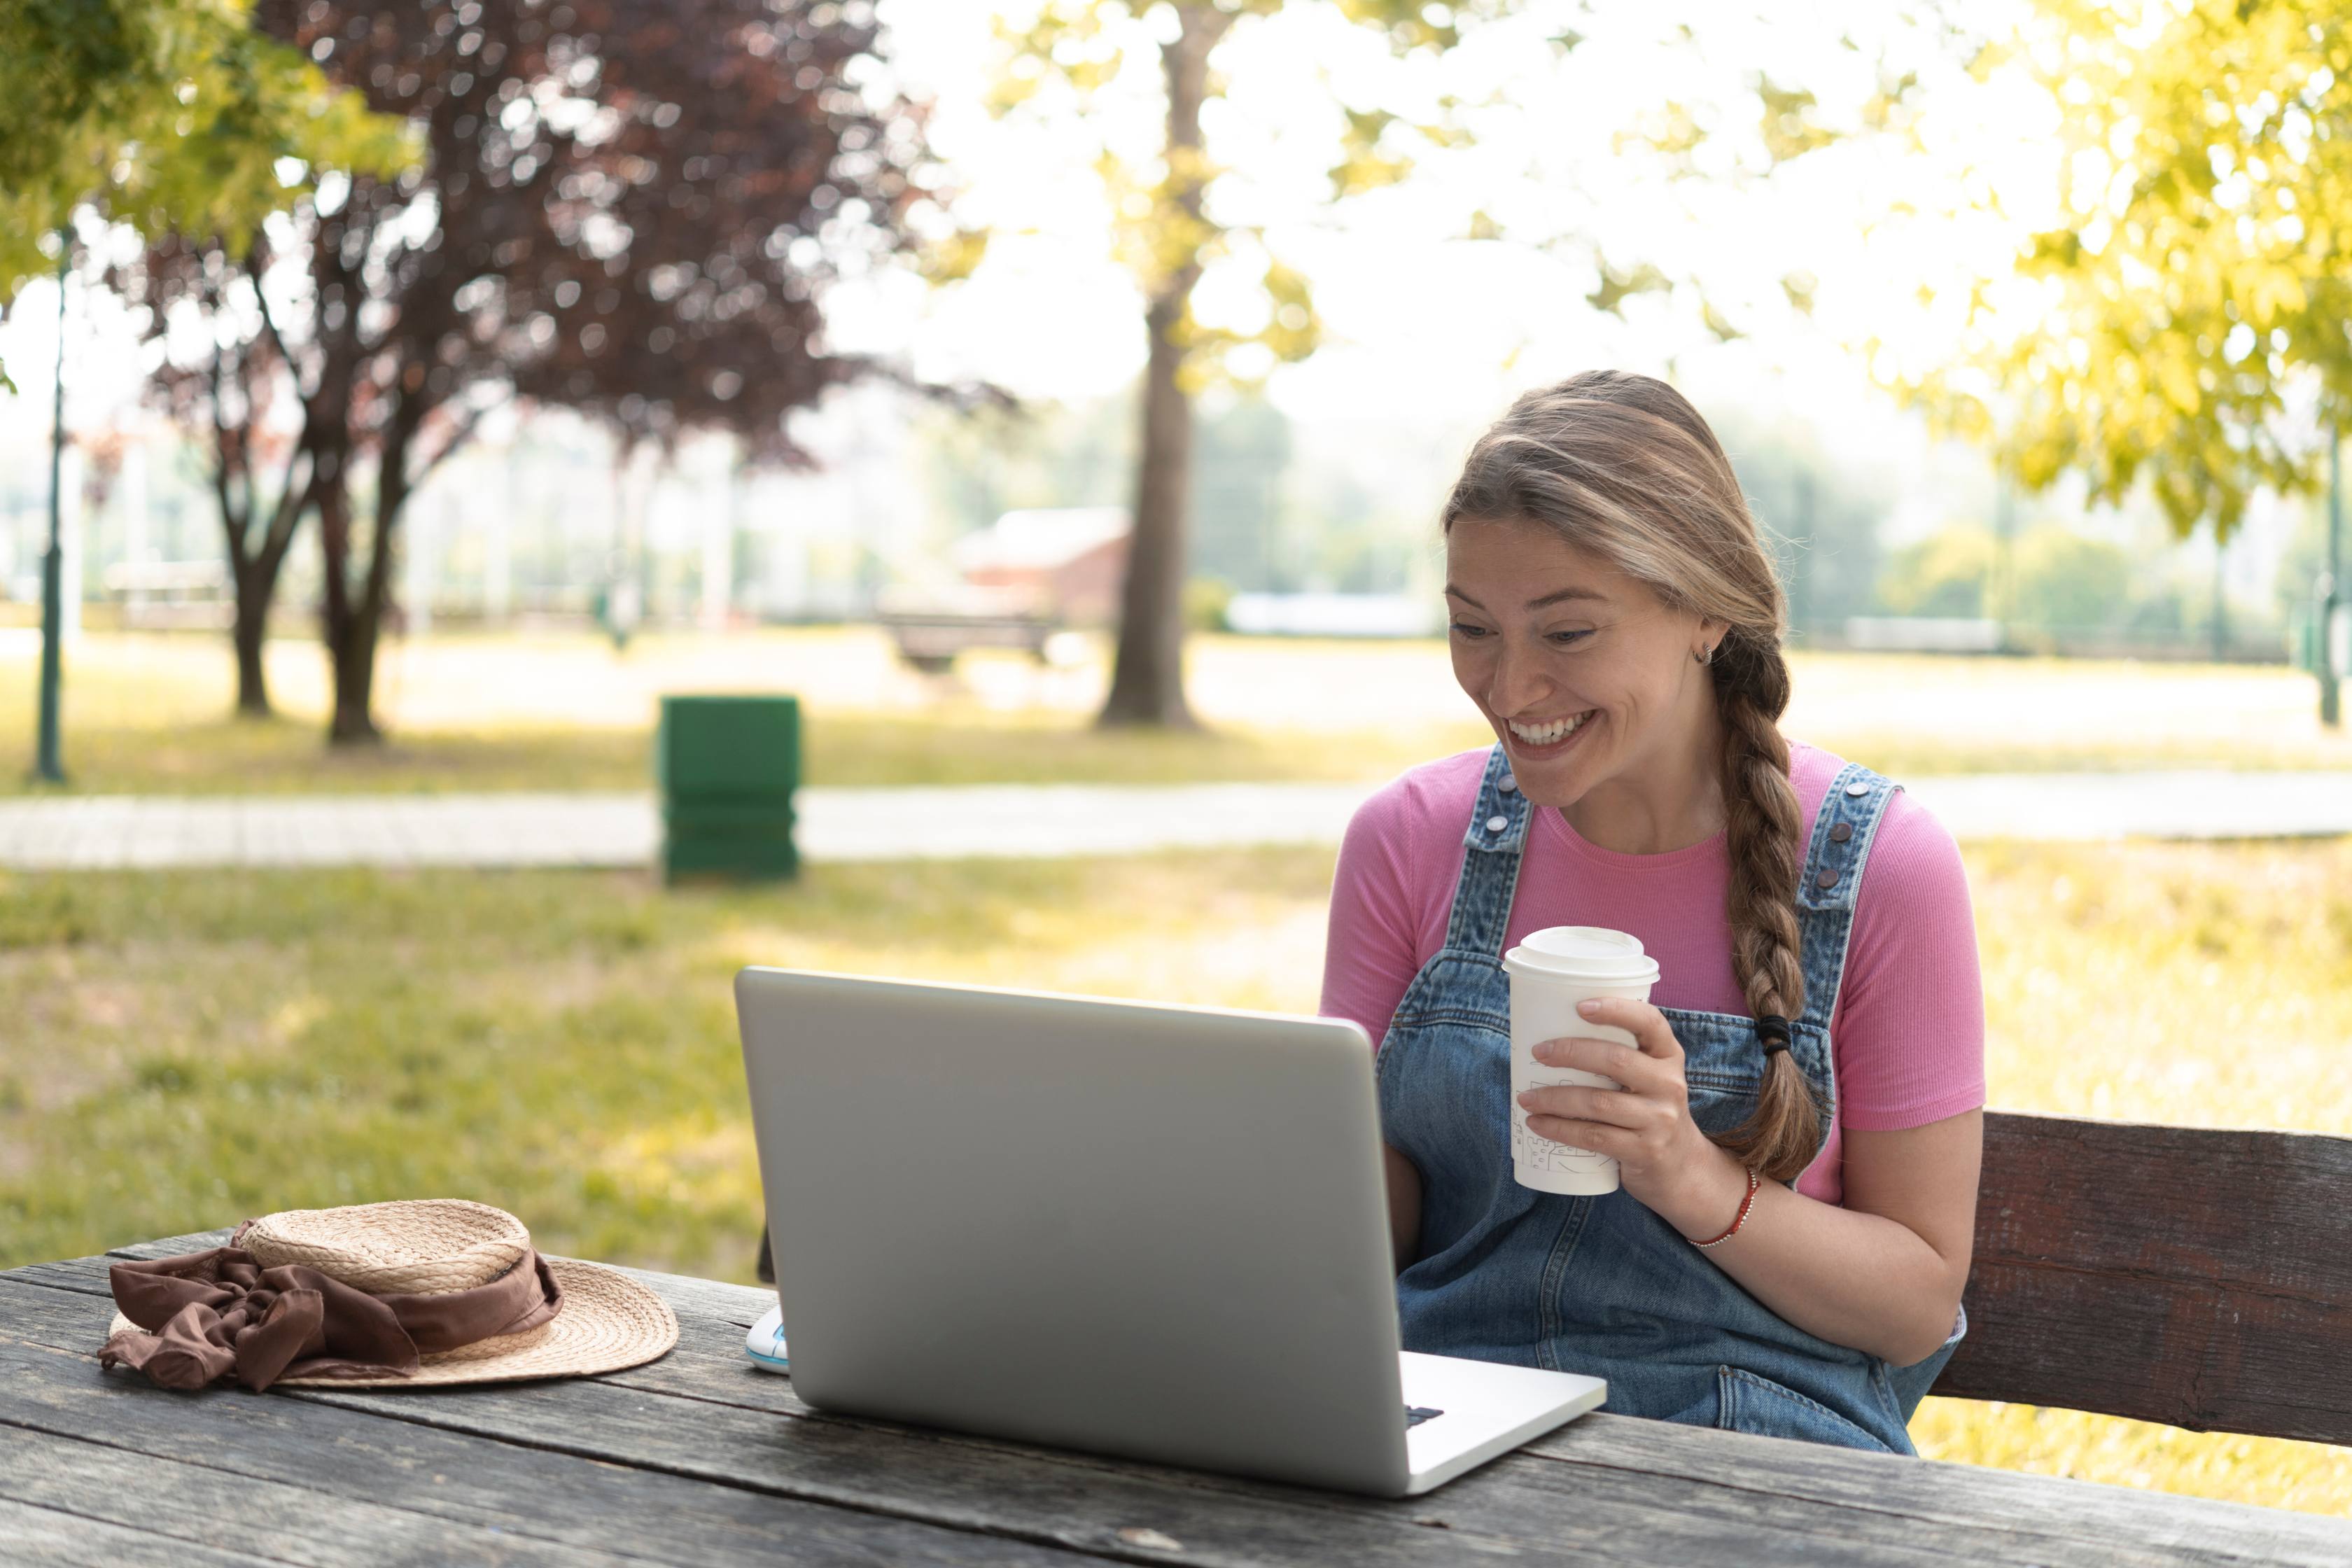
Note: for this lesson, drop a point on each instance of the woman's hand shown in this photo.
(1664, 1160)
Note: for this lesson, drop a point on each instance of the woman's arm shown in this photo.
(1882, 1274)
(1404, 1205)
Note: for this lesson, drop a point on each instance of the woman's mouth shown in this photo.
(1549, 738)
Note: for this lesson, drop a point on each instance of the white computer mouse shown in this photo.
(765, 1343)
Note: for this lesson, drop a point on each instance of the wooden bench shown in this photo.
(2198, 1277)
(930, 640)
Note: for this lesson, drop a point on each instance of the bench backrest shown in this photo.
(2174, 1273)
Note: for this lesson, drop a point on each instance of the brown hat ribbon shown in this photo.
(206, 1315)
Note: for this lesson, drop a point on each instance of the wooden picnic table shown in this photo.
(699, 1458)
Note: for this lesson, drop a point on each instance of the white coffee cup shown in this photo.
(1551, 971)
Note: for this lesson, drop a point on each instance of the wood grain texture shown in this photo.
(424, 1493)
(202, 1506)
(704, 1454)
(1605, 1489)
(2195, 1276)
(34, 1537)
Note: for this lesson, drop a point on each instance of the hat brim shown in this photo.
(609, 1322)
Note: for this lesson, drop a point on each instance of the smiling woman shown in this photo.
(1799, 1125)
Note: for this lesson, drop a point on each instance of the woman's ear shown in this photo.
(1709, 639)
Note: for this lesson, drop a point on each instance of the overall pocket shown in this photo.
(1747, 1403)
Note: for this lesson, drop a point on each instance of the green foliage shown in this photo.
(166, 114)
(2064, 579)
(1206, 599)
(1946, 575)
(2054, 578)
(2201, 273)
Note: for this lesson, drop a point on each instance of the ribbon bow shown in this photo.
(206, 1315)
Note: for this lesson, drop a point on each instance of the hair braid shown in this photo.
(1762, 830)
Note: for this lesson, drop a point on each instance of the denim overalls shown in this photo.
(1601, 1285)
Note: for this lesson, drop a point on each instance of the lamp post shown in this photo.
(2331, 598)
(48, 766)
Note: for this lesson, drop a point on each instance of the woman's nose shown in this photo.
(1518, 682)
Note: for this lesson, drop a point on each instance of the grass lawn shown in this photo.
(146, 713)
(185, 1050)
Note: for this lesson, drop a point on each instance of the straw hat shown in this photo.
(434, 1246)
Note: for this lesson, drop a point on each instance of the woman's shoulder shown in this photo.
(1432, 793)
(1911, 847)
(1429, 802)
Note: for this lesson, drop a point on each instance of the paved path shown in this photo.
(946, 823)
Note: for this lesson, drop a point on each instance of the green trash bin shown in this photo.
(727, 767)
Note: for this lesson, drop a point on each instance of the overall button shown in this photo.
(1857, 789)
(1496, 824)
(1841, 832)
(1828, 878)
(1506, 783)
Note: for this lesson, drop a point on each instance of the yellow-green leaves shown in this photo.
(166, 114)
(2202, 282)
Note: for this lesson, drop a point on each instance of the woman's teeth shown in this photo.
(1545, 734)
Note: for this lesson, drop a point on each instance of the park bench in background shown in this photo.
(930, 639)
(2198, 1277)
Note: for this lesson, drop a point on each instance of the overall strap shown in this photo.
(1490, 865)
(1843, 831)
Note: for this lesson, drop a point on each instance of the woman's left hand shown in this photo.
(1664, 1160)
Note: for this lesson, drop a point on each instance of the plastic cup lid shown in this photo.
(1584, 952)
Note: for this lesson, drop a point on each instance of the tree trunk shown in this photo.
(248, 633)
(353, 657)
(355, 623)
(351, 642)
(1147, 683)
(1148, 678)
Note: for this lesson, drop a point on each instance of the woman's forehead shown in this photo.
(1524, 561)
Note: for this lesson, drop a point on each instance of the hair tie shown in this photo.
(1773, 1030)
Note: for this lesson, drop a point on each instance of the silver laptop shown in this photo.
(1153, 1231)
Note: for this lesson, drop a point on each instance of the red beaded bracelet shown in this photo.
(1754, 1181)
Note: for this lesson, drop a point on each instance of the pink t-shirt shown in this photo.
(1907, 1035)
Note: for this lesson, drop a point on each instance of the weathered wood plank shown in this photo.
(2184, 1275)
(554, 1505)
(43, 1537)
(204, 1506)
(1590, 1500)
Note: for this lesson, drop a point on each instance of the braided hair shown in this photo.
(1622, 467)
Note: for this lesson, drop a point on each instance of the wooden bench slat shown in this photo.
(2197, 1277)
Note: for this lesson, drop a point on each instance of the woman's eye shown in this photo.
(1569, 639)
(1469, 631)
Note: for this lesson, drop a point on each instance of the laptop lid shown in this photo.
(1146, 1231)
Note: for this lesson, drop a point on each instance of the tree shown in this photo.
(1166, 234)
(1169, 231)
(2189, 326)
(164, 115)
(625, 209)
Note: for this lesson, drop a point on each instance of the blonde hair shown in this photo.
(1622, 467)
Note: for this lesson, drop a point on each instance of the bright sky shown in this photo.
(1421, 322)
(1428, 334)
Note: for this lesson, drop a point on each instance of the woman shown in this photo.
(1800, 1125)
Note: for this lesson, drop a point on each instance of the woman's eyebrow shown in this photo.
(1567, 593)
(1549, 599)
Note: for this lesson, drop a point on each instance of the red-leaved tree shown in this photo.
(625, 208)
